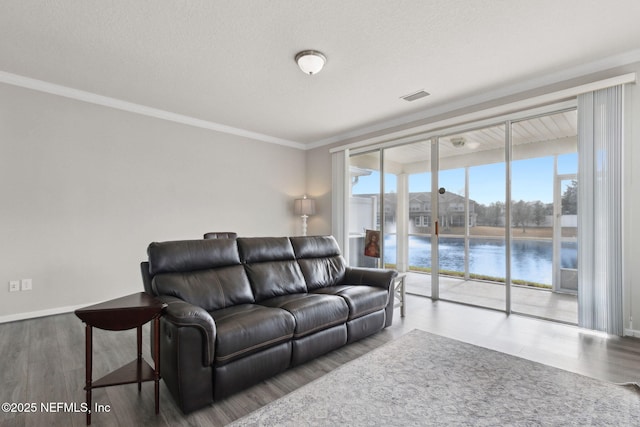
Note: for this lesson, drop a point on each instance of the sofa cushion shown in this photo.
(271, 279)
(263, 249)
(190, 255)
(322, 272)
(361, 299)
(246, 329)
(315, 246)
(312, 312)
(271, 266)
(211, 289)
(320, 260)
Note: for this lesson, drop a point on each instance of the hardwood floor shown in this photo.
(42, 362)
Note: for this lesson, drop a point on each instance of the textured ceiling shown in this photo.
(231, 62)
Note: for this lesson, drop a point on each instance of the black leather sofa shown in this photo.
(242, 310)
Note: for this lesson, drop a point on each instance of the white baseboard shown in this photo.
(42, 313)
(631, 333)
(69, 309)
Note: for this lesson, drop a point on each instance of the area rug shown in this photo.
(424, 379)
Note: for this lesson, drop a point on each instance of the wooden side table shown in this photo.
(120, 314)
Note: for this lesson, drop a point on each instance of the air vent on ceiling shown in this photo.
(416, 95)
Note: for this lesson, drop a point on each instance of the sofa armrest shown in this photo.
(182, 314)
(381, 278)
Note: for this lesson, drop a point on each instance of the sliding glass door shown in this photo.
(471, 221)
(484, 216)
(544, 216)
(408, 202)
(365, 210)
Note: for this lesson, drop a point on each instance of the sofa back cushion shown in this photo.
(206, 273)
(190, 255)
(320, 260)
(271, 266)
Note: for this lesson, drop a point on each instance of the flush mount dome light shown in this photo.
(462, 142)
(310, 61)
(458, 142)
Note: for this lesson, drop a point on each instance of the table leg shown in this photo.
(139, 330)
(402, 296)
(156, 357)
(89, 368)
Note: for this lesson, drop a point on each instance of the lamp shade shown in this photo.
(304, 206)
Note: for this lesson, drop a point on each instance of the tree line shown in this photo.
(525, 213)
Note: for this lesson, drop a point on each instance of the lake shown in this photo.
(532, 260)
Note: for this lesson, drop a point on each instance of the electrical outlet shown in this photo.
(26, 284)
(14, 285)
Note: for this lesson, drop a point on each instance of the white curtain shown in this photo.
(600, 234)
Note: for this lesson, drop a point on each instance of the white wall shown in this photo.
(84, 189)
(319, 179)
(319, 175)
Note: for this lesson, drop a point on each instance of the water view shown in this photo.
(532, 260)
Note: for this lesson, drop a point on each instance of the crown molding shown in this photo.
(93, 98)
(531, 84)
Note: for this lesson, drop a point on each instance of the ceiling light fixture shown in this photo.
(310, 61)
(460, 142)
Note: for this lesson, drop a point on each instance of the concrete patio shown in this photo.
(524, 300)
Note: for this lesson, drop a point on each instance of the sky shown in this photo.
(531, 180)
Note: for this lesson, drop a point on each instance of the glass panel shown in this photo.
(364, 209)
(568, 269)
(542, 147)
(472, 227)
(390, 218)
(487, 242)
(531, 221)
(451, 218)
(408, 193)
(420, 229)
